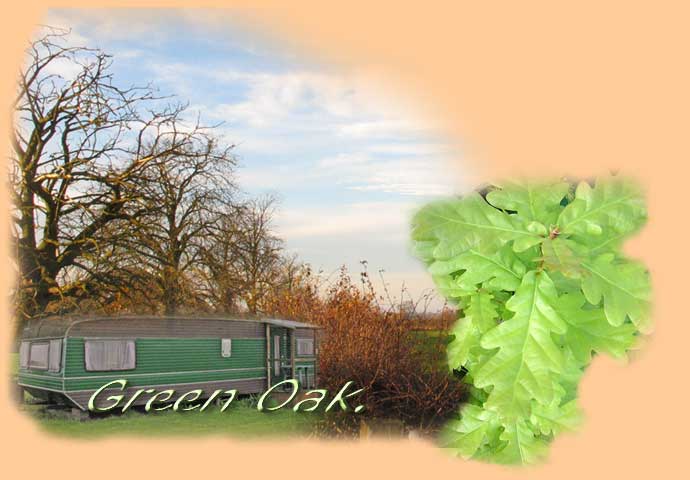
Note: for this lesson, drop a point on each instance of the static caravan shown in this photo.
(66, 359)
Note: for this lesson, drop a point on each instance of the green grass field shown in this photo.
(239, 421)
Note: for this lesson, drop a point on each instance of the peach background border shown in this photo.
(529, 88)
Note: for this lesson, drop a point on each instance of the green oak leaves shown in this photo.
(537, 273)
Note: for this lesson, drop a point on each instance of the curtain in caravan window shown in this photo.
(107, 355)
(305, 347)
(38, 356)
(55, 355)
(24, 354)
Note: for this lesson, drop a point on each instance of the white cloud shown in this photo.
(380, 128)
(350, 104)
(407, 176)
(115, 24)
(317, 137)
(273, 98)
(355, 218)
(344, 160)
(57, 20)
(63, 67)
(128, 53)
(306, 111)
(275, 178)
(410, 149)
(418, 176)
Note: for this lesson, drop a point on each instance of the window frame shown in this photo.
(94, 339)
(300, 347)
(223, 342)
(277, 354)
(25, 344)
(39, 343)
(51, 343)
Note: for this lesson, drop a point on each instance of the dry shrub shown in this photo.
(394, 352)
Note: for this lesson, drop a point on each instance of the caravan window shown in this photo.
(38, 355)
(305, 347)
(226, 347)
(108, 355)
(24, 354)
(55, 355)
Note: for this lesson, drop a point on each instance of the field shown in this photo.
(240, 420)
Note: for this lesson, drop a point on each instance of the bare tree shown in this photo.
(243, 257)
(79, 146)
(220, 279)
(184, 192)
(259, 251)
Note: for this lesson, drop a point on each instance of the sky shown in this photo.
(349, 156)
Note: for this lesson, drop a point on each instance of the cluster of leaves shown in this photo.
(537, 271)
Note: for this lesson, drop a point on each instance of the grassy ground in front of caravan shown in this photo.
(239, 421)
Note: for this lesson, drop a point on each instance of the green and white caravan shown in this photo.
(66, 359)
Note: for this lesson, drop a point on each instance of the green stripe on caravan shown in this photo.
(66, 359)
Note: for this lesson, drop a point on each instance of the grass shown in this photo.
(240, 420)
